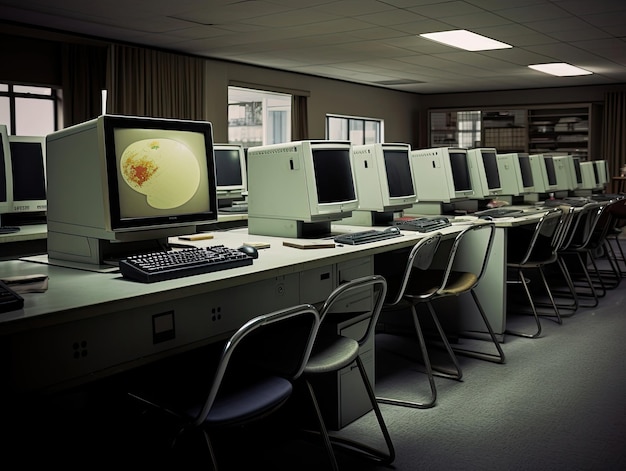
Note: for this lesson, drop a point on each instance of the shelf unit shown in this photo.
(569, 129)
(563, 130)
(504, 130)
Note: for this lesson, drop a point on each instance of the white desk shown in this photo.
(89, 325)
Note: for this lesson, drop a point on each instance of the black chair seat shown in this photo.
(246, 403)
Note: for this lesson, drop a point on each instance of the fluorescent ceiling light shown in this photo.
(467, 40)
(560, 69)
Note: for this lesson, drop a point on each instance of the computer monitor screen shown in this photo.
(544, 177)
(6, 179)
(491, 169)
(577, 172)
(460, 172)
(333, 173)
(141, 180)
(383, 177)
(484, 172)
(441, 174)
(28, 168)
(550, 170)
(296, 189)
(527, 174)
(230, 172)
(398, 170)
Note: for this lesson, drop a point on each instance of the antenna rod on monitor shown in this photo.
(104, 102)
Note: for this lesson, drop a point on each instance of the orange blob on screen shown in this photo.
(164, 170)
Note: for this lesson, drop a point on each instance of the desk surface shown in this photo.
(76, 294)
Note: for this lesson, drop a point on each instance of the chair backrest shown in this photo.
(339, 300)
(587, 226)
(469, 252)
(539, 242)
(604, 223)
(279, 343)
(420, 257)
(581, 226)
(563, 232)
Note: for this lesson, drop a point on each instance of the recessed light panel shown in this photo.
(467, 40)
(561, 69)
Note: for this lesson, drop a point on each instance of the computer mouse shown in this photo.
(249, 250)
(486, 218)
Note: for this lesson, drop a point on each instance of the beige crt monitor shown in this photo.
(296, 189)
(120, 185)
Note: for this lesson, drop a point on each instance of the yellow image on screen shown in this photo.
(164, 170)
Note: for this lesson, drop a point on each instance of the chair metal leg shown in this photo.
(552, 303)
(429, 373)
(351, 445)
(323, 431)
(522, 280)
(496, 358)
(458, 373)
(209, 445)
(589, 283)
(571, 291)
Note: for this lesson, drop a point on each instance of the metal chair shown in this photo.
(333, 352)
(531, 247)
(421, 283)
(576, 233)
(579, 257)
(614, 246)
(253, 378)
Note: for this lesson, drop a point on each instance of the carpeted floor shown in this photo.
(557, 404)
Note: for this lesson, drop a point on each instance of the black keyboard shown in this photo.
(364, 237)
(500, 212)
(9, 299)
(236, 208)
(177, 263)
(424, 224)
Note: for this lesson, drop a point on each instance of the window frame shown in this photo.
(13, 96)
(350, 123)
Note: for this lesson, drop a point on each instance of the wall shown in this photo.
(38, 65)
(397, 109)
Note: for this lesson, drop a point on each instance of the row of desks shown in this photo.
(90, 324)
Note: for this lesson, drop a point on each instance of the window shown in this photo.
(28, 110)
(258, 117)
(353, 129)
(455, 128)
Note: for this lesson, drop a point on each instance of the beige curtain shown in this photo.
(614, 131)
(145, 82)
(84, 78)
(299, 118)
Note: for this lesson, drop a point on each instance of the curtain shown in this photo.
(145, 82)
(84, 78)
(299, 118)
(614, 131)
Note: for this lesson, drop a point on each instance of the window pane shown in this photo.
(257, 117)
(34, 90)
(5, 116)
(4, 87)
(356, 130)
(337, 129)
(34, 117)
(357, 134)
(372, 132)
